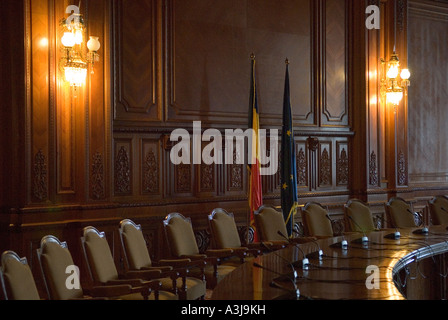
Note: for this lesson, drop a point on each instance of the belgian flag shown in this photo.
(255, 190)
(289, 197)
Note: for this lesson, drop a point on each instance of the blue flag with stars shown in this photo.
(289, 198)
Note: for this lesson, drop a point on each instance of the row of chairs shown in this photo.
(358, 217)
(190, 272)
(143, 279)
(186, 276)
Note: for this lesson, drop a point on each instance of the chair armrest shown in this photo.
(109, 291)
(143, 274)
(162, 268)
(194, 257)
(240, 252)
(175, 263)
(219, 253)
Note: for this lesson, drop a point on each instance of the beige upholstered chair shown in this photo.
(225, 235)
(136, 257)
(55, 261)
(16, 278)
(182, 243)
(103, 271)
(316, 221)
(399, 213)
(271, 227)
(438, 209)
(358, 216)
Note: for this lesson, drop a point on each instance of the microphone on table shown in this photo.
(294, 272)
(364, 238)
(319, 251)
(344, 243)
(305, 262)
(423, 230)
(296, 290)
(396, 235)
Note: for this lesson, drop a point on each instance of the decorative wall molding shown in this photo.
(373, 170)
(342, 168)
(97, 183)
(40, 177)
(122, 172)
(150, 173)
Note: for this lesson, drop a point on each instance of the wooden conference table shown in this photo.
(412, 267)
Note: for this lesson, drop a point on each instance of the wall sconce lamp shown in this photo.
(395, 80)
(75, 59)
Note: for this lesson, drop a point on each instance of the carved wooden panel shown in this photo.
(427, 116)
(209, 59)
(335, 107)
(302, 164)
(123, 167)
(325, 164)
(136, 65)
(183, 179)
(38, 88)
(151, 167)
(97, 177)
(342, 164)
(373, 169)
(40, 177)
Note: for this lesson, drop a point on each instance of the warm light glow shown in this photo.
(93, 44)
(393, 72)
(405, 74)
(75, 75)
(394, 97)
(43, 42)
(68, 40)
(78, 36)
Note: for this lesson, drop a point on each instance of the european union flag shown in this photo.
(289, 198)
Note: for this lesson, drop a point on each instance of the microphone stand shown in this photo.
(423, 230)
(396, 235)
(305, 261)
(320, 252)
(344, 243)
(364, 238)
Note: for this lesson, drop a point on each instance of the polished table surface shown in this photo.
(340, 274)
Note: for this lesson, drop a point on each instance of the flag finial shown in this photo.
(286, 61)
(252, 56)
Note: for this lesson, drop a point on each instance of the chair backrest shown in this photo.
(316, 221)
(180, 235)
(361, 218)
(400, 213)
(223, 228)
(269, 222)
(98, 255)
(16, 278)
(136, 253)
(438, 208)
(54, 258)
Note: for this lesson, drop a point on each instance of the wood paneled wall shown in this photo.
(102, 153)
